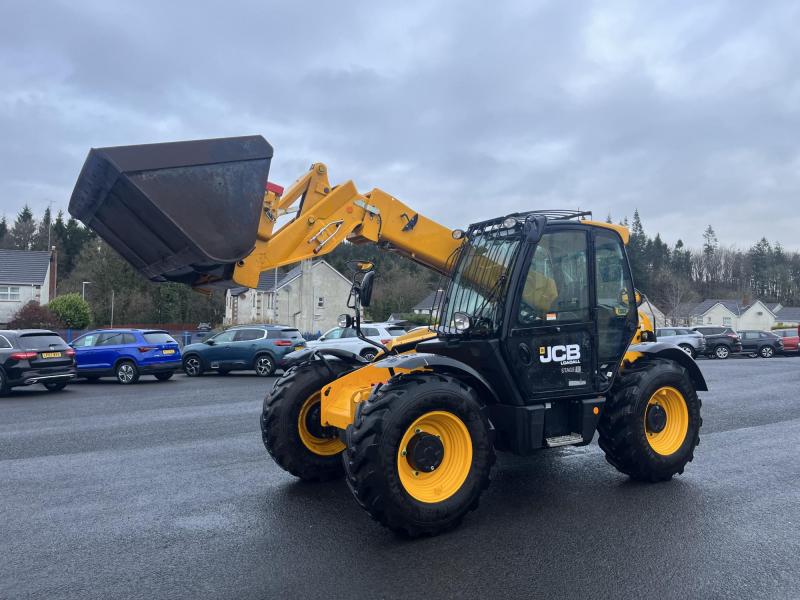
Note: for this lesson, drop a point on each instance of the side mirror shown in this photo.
(321, 338)
(366, 289)
(210, 342)
(345, 321)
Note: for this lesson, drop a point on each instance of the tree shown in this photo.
(4, 241)
(72, 310)
(34, 316)
(43, 237)
(23, 232)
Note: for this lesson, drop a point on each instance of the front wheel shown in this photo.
(419, 453)
(369, 354)
(766, 352)
(192, 366)
(127, 373)
(291, 426)
(722, 352)
(651, 423)
(688, 349)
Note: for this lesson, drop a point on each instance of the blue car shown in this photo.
(126, 354)
(260, 348)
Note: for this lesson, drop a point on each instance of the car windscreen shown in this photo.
(159, 337)
(41, 341)
(291, 334)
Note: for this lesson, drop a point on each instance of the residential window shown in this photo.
(9, 292)
(726, 321)
(321, 302)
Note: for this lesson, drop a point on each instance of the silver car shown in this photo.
(345, 338)
(691, 342)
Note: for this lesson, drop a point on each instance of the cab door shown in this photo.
(550, 345)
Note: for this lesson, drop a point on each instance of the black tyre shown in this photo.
(223, 371)
(688, 349)
(4, 389)
(419, 453)
(92, 378)
(164, 376)
(264, 365)
(55, 386)
(722, 352)
(290, 422)
(127, 373)
(192, 365)
(651, 423)
(766, 352)
(369, 354)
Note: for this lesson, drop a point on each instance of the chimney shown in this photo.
(53, 272)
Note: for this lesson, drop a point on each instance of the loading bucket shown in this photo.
(180, 211)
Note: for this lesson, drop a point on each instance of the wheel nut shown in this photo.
(418, 430)
(403, 453)
(416, 473)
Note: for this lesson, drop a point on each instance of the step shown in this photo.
(564, 440)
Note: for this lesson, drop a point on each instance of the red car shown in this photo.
(791, 339)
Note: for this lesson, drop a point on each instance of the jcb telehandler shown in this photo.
(537, 340)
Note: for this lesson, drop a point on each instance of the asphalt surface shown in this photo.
(164, 490)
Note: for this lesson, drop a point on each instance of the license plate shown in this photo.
(169, 351)
(298, 347)
(51, 354)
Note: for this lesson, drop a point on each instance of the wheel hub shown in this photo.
(314, 423)
(425, 452)
(656, 418)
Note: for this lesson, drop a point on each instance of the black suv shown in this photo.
(761, 343)
(31, 356)
(721, 342)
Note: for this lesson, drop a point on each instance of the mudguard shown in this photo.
(442, 364)
(299, 356)
(670, 352)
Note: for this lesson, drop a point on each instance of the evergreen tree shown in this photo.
(23, 233)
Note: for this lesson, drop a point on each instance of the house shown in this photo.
(429, 304)
(655, 315)
(309, 296)
(788, 316)
(25, 275)
(736, 315)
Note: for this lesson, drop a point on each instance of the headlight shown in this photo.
(461, 321)
(458, 234)
(509, 222)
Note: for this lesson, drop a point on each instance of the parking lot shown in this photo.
(165, 490)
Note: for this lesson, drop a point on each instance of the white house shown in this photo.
(25, 275)
(429, 303)
(758, 315)
(310, 296)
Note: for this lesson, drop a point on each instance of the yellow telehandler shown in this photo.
(538, 340)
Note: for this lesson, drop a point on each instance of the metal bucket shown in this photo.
(180, 211)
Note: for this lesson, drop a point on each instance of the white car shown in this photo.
(344, 338)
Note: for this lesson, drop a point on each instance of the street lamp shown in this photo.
(83, 288)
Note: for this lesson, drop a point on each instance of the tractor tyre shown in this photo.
(419, 453)
(291, 427)
(651, 423)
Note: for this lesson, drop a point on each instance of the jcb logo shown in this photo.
(559, 353)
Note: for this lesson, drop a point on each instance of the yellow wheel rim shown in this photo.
(668, 439)
(317, 445)
(450, 474)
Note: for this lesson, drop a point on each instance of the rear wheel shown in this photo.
(419, 453)
(264, 365)
(291, 427)
(164, 376)
(192, 366)
(55, 386)
(127, 372)
(722, 352)
(369, 354)
(651, 423)
(688, 349)
(766, 352)
(3, 384)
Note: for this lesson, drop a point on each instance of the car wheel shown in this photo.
(127, 373)
(722, 352)
(264, 365)
(369, 354)
(767, 352)
(164, 376)
(192, 366)
(3, 384)
(55, 386)
(92, 378)
(688, 349)
(223, 371)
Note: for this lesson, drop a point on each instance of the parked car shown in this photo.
(721, 342)
(791, 339)
(244, 347)
(345, 338)
(691, 342)
(32, 356)
(127, 354)
(761, 343)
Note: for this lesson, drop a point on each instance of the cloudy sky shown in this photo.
(688, 111)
